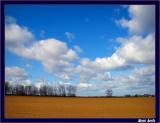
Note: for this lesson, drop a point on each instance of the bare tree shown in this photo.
(43, 90)
(28, 90)
(55, 91)
(7, 87)
(71, 90)
(31, 90)
(13, 90)
(61, 90)
(20, 90)
(49, 90)
(109, 92)
(34, 90)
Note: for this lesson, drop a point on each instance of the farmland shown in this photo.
(78, 107)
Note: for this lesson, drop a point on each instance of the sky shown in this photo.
(94, 47)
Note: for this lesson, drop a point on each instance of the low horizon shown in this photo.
(89, 48)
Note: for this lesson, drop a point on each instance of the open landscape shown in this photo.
(79, 107)
(79, 61)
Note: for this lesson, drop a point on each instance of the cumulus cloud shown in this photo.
(88, 72)
(84, 85)
(85, 74)
(56, 57)
(17, 75)
(17, 36)
(142, 19)
(61, 61)
(105, 76)
(99, 68)
(141, 79)
(106, 63)
(145, 71)
(69, 36)
(144, 75)
(138, 49)
(110, 63)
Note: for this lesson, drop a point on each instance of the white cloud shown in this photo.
(144, 72)
(140, 79)
(54, 55)
(16, 71)
(85, 74)
(100, 67)
(59, 60)
(89, 70)
(16, 35)
(105, 63)
(69, 36)
(110, 63)
(137, 49)
(82, 85)
(17, 75)
(105, 76)
(142, 19)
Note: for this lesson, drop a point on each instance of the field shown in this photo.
(67, 107)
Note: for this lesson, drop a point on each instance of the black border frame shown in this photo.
(132, 2)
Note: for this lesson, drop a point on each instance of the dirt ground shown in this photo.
(75, 107)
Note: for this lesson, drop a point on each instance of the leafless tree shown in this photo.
(71, 90)
(43, 90)
(109, 92)
(55, 91)
(7, 87)
(35, 90)
(20, 90)
(61, 90)
(49, 90)
(28, 90)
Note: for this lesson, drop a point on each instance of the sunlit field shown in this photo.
(76, 107)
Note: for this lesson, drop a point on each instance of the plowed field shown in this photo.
(75, 107)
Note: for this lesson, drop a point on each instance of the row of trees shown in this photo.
(44, 90)
(140, 95)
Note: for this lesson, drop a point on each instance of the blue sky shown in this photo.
(89, 23)
(92, 36)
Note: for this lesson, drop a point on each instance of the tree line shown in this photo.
(44, 90)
